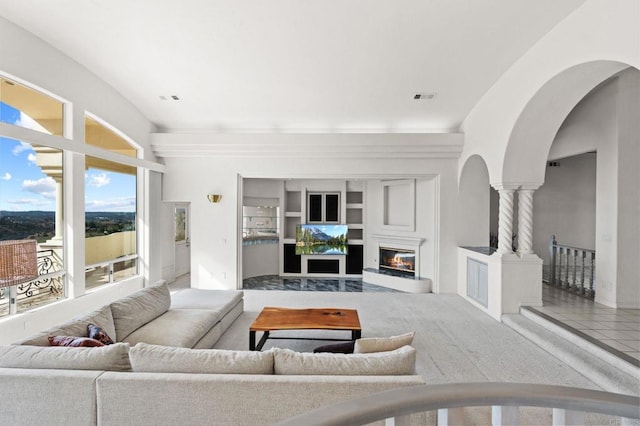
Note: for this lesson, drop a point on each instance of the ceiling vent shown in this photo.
(424, 96)
(166, 98)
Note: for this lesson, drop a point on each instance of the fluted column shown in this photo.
(525, 221)
(505, 220)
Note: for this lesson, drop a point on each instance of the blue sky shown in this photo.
(24, 187)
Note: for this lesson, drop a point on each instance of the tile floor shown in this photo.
(616, 328)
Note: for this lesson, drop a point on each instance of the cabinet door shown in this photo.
(332, 207)
(314, 208)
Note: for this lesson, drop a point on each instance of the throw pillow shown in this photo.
(164, 359)
(337, 348)
(110, 357)
(393, 363)
(382, 344)
(73, 341)
(99, 334)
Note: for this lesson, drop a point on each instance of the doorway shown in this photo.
(182, 239)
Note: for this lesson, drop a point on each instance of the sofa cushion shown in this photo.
(176, 327)
(382, 344)
(109, 357)
(137, 309)
(74, 341)
(99, 334)
(393, 363)
(164, 359)
(221, 301)
(76, 327)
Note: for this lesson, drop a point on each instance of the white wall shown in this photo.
(474, 204)
(606, 121)
(216, 236)
(426, 202)
(33, 60)
(598, 30)
(566, 205)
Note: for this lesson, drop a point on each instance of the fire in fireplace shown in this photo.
(400, 261)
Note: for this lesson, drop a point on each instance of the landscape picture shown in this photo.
(321, 239)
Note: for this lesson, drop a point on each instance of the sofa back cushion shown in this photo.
(392, 363)
(137, 309)
(109, 357)
(164, 359)
(382, 344)
(76, 327)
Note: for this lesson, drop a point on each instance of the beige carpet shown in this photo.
(455, 341)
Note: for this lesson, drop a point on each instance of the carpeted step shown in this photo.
(613, 375)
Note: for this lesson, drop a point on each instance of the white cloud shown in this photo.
(124, 204)
(31, 158)
(21, 147)
(98, 180)
(7, 176)
(43, 186)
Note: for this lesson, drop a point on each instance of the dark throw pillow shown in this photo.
(73, 341)
(338, 348)
(99, 334)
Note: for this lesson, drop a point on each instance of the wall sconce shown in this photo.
(214, 198)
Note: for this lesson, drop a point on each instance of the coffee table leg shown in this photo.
(355, 334)
(252, 340)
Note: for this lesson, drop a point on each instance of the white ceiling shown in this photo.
(295, 65)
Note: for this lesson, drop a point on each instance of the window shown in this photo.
(31, 209)
(323, 207)
(110, 222)
(99, 135)
(180, 215)
(28, 108)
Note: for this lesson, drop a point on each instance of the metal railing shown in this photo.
(568, 405)
(572, 268)
(125, 265)
(47, 287)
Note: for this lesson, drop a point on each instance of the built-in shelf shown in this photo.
(350, 199)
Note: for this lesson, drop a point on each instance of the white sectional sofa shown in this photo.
(190, 318)
(152, 376)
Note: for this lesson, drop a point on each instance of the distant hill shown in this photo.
(40, 225)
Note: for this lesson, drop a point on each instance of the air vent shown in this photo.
(424, 96)
(553, 164)
(167, 98)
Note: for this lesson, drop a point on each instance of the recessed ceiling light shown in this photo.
(424, 96)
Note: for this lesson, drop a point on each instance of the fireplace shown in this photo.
(397, 261)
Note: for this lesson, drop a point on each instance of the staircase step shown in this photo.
(602, 367)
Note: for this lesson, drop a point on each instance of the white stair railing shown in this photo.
(572, 268)
(567, 403)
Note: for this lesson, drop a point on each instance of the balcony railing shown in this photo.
(50, 283)
(568, 405)
(48, 287)
(572, 268)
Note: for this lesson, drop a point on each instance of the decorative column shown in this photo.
(525, 221)
(505, 219)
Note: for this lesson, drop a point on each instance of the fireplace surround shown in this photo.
(398, 264)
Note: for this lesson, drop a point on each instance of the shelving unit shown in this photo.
(294, 207)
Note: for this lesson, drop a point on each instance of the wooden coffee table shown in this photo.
(273, 319)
